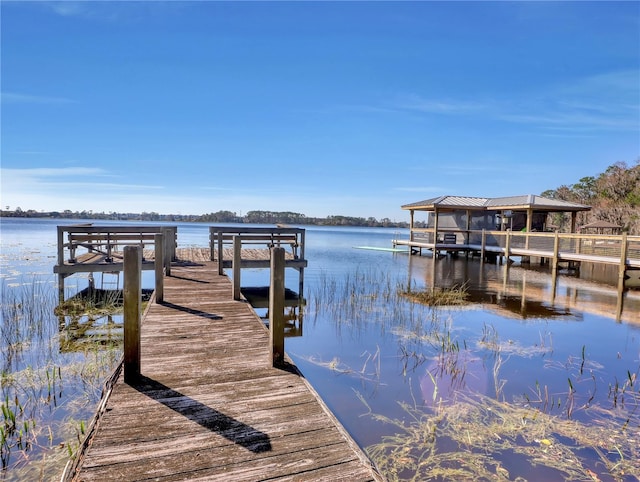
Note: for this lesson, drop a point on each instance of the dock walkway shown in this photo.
(210, 406)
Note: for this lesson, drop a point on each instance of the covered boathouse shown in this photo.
(456, 222)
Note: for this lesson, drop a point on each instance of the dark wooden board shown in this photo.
(210, 406)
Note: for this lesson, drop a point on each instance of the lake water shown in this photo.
(521, 382)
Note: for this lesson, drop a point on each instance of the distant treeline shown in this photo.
(258, 217)
(614, 196)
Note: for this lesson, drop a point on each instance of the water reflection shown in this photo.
(507, 386)
(258, 297)
(91, 318)
(525, 292)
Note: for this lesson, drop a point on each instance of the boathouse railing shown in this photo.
(610, 249)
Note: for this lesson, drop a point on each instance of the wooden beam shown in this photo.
(435, 233)
(622, 268)
(220, 254)
(159, 265)
(276, 306)
(529, 224)
(411, 223)
(554, 265)
(237, 265)
(132, 314)
(169, 248)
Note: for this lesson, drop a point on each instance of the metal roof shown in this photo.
(446, 201)
(528, 201)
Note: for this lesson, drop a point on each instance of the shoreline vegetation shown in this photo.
(253, 217)
(614, 196)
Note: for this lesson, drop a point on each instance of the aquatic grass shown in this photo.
(359, 299)
(456, 433)
(91, 303)
(490, 340)
(482, 427)
(456, 295)
(48, 388)
(24, 312)
(364, 373)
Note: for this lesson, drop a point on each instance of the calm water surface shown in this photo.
(518, 383)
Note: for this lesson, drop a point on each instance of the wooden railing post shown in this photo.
(109, 257)
(622, 268)
(237, 257)
(301, 270)
(60, 263)
(507, 246)
(132, 304)
(220, 255)
(212, 244)
(168, 246)
(159, 248)
(554, 264)
(276, 306)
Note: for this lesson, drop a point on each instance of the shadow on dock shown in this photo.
(233, 430)
(191, 311)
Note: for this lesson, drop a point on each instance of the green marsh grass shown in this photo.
(584, 429)
(482, 427)
(50, 387)
(435, 296)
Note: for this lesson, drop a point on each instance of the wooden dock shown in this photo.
(603, 249)
(210, 406)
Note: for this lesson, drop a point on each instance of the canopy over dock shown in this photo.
(528, 211)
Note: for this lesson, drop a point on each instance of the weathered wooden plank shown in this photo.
(209, 405)
(215, 464)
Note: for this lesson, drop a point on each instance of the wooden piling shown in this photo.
(276, 306)
(159, 243)
(237, 260)
(507, 246)
(622, 268)
(169, 249)
(554, 265)
(220, 251)
(132, 312)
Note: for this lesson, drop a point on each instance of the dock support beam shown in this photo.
(220, 267)
(132, 312)
(160, 254)
(169, 247)
(554, 265)
(237, 256)
(276, 306)
(621, 274)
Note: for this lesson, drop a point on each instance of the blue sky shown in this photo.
(351, 108)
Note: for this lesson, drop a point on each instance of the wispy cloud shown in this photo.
(114, 11)
(607, 101)
(109, 11)
(16, 98)
(414, 102)
(57, 180)
(68, 9)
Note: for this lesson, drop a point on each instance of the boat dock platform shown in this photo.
(92, 249)
(209, 404)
